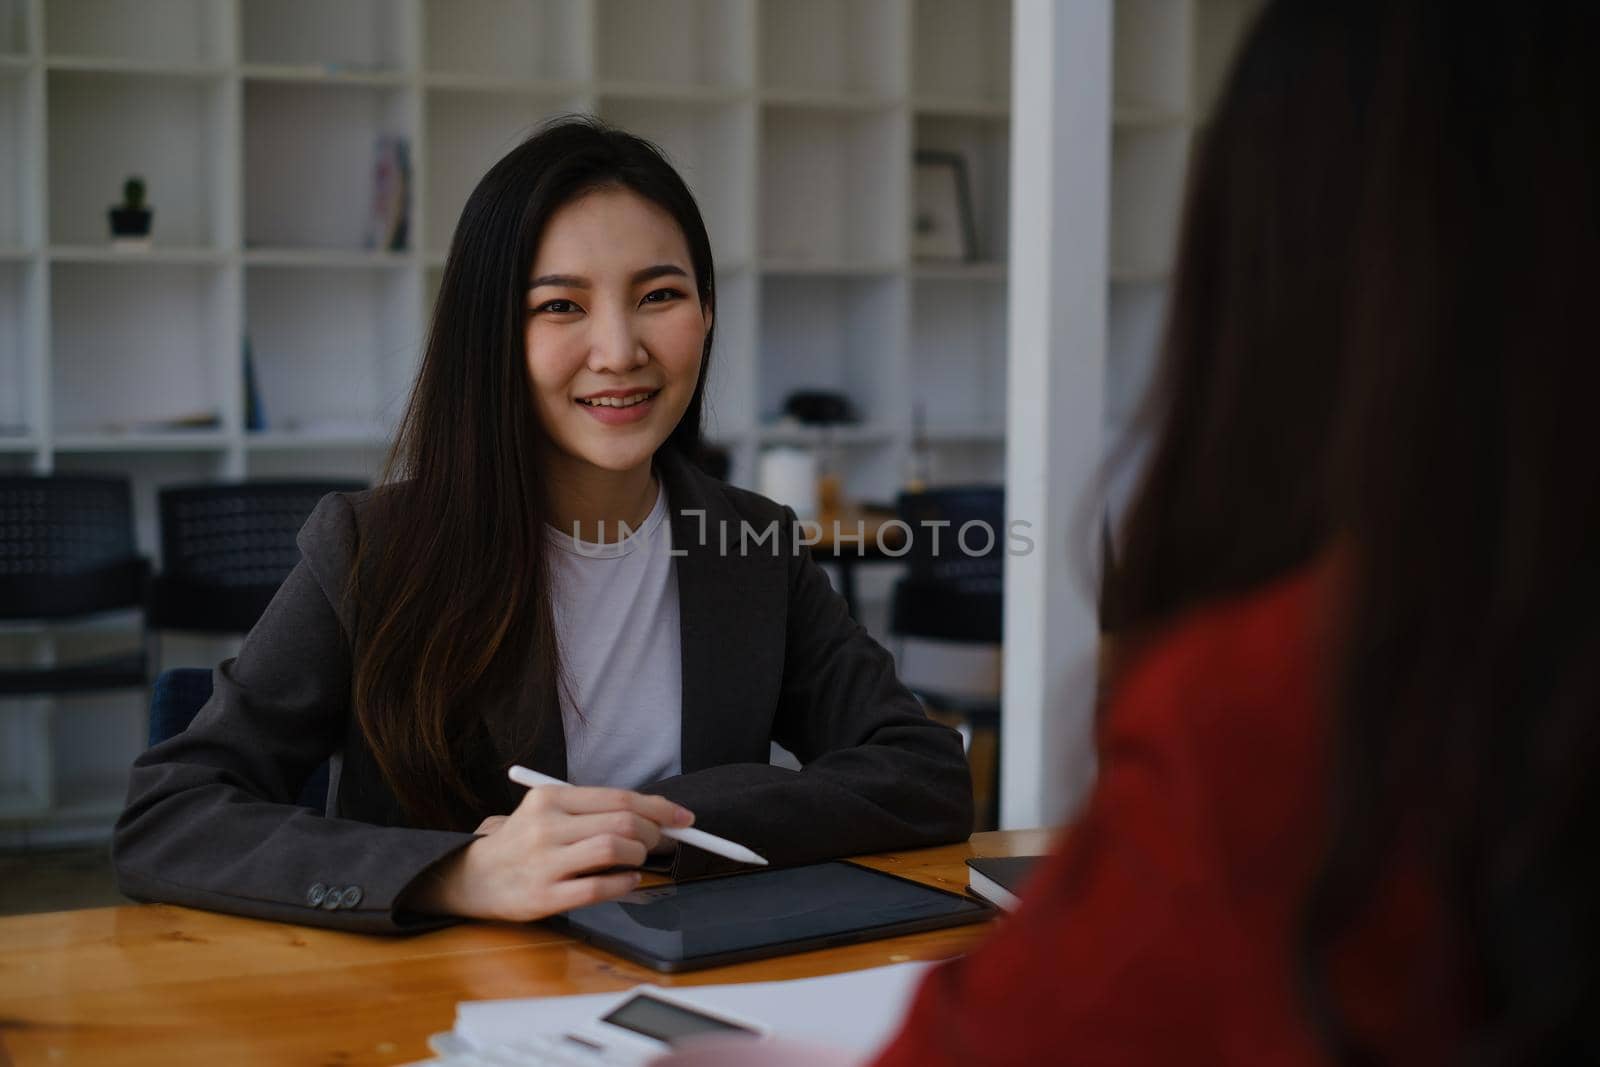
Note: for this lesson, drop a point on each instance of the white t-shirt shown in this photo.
(616, 618)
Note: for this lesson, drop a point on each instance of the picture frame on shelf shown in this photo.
(943, 226)
(390, 225)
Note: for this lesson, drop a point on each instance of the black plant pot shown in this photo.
(130, 221)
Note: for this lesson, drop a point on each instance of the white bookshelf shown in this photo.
(1168, 60)
(253, 123)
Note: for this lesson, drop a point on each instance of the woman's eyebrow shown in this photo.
(576, 281)
(566, 281)
(660, 270)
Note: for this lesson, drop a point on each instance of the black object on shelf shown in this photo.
(131, 218)
(819, 408)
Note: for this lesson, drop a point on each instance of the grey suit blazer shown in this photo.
(769, 653)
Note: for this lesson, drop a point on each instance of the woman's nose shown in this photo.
(616, 346)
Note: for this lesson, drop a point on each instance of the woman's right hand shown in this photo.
(545, 856)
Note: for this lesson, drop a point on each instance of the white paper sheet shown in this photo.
(855, 1011)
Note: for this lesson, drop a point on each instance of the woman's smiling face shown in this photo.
(615, 330)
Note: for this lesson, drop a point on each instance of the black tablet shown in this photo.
(738, 917)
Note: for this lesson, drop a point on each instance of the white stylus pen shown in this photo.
(698, 838)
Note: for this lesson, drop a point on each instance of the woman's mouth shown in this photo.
(614, 409)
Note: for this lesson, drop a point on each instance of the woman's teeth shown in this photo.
(617, 401)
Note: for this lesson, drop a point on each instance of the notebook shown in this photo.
(997, 879)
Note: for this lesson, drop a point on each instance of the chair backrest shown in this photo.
(67, 546)
(953, 594)
(971, 542)
(225, 549)
(178, 696)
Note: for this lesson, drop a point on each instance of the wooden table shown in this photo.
(154, 984)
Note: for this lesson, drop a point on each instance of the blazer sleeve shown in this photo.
(211, 820)
(877, 774)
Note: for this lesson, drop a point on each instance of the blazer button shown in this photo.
(316, 895)
(331, 900)
(350, 897)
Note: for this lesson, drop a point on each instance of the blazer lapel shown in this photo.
(720, 624)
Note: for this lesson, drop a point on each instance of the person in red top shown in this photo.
(1351, 770)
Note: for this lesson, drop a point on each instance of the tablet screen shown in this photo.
(720, 916)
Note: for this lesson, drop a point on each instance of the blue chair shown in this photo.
(178, 696)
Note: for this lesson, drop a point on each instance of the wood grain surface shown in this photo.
(154, 984)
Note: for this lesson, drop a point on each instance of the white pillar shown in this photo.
(1060, 167)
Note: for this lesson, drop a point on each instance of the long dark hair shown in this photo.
(1242, 404)
(452, 605)
(1468, 693)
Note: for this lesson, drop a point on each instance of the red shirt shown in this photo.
(1162, 928)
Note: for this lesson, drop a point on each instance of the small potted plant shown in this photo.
(130, 220)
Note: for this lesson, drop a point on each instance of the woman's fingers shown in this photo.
(618, 823)
(580, 892)
(589, 800)
(596, 853)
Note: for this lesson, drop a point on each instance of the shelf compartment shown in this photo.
(309, 156)
(1135, 319)
(289, 441)
(131, 441)
(349, 36)
(15, 39)
(334, 350)
(711, 147)
(675, 42)
(730, 402)
(966, 459)
(135, 349)
(327, 258)
(831, 334)
(16, 370)
(112, 255)
(985, 145)
(958, 353)
(18, 222)
(849, 47)
(962, 51)
(832, 187)
(1147, 175)
(511, 40)
(357, 462)
(1150, 55)
(167, 32)
(141, 67)
(982, 271)
(468, 132)
(105, 127)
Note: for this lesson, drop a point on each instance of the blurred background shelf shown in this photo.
(255, 124)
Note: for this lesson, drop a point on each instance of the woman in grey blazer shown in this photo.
(445, 626)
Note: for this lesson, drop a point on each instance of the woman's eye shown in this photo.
(662, 296)
(556, 307)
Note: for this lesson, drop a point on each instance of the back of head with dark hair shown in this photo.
(1469, 689)
(1242, 406)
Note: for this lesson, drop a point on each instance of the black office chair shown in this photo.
(226, 548)
(177, 697)
(67, 553)
(945, 619)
